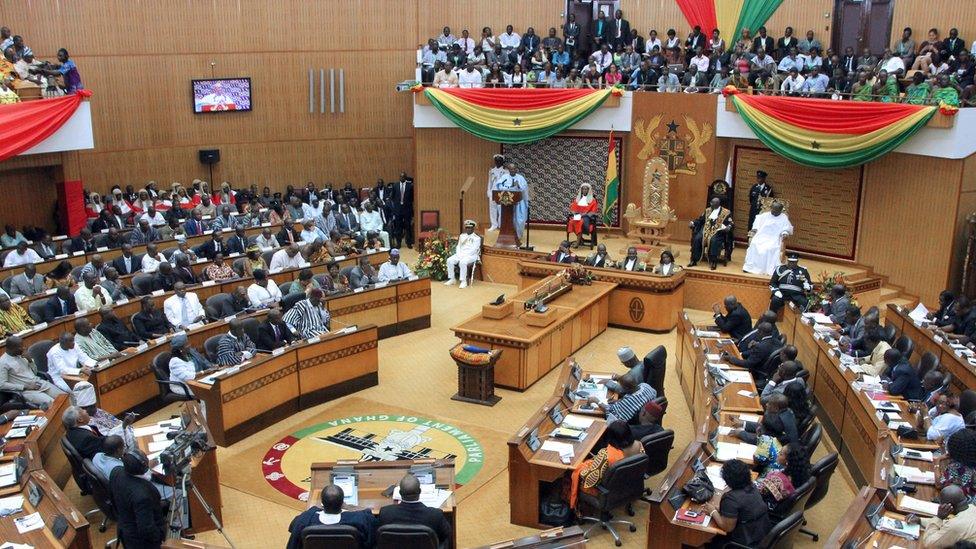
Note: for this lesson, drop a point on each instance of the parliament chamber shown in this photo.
(549, 274)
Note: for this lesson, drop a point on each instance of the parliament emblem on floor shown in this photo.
(380, 437)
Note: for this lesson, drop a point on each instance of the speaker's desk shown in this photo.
(530, 352)
(376, 477)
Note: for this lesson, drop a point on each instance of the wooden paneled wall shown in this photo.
(922, 15)
(908, 219)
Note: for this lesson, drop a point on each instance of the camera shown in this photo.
(176, 458)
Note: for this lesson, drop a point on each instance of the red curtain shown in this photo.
(23, 125)
(71, 202)
(702, 13)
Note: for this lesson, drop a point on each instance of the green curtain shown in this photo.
(754, 14)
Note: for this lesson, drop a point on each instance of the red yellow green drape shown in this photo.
(515, 115)
(728, 16)
(830, 134)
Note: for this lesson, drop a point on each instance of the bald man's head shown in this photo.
(409, 488)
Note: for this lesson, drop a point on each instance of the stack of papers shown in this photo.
(886, 405)
(146, 431)
(430, 495)
(747, 394)
(919, 314)
(919, 455)
(719, 365)
(578, 422)
(818, 318)
(564, 449)
(8, 474)
(714, 473)
(725, 451)
(899, 527)
(707, 333)
(914, 474)
(749, 417)
(724, 431)
(11, 505)
(713, 357)
(918, 505)
(738, 376)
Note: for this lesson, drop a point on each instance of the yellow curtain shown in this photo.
(727, 14)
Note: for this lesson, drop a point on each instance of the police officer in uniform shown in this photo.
(789, 282)
(758, 191)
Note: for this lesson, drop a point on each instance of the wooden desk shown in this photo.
(854, 526)
(270, 388)
(531, 352)
(42, 447)
(204, 474)
(847, 415)
(641, 301)
(53, 503)
(377, 476)
(396, 308)
(963, 372)
(662, 528)
(530, 470)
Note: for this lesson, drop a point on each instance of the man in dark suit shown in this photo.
(619, 30)
(183, 271)
(126, 263)
(85, 438)
(764, 42)
(755, 356)
(836, 307)
(84, 242)
(238, 302)
(273, 333)
(562, 255)
(141, 513)
(736, 321)
(164, 278)
(411, 511)
(237, 244)
(600, 258)
(902, 380)
(745, 341)
(600, 31)
(382, 190)
(195, 225)
(331, 513)
(346, 222)
(105, 221)
(403, 202)
(62, 303)
(210, 248)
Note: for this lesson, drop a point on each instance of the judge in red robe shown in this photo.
(582, 213)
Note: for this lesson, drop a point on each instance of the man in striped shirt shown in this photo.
(632, 397)
(235, 347)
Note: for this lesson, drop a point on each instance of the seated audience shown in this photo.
(150, 322)
(152, 259)
(212, 247)
(631, 262)
(219, 270)
(778, 421)
(263, 292)
(666, 266)
(21, 255)
(902, 380)
(164, 278)
(286, 258)
(60, 304)
(115, 331)
(304, 284)
(960, 467)
(141, 515)
(273, 333)
(736, 321)
(633, 394)
(90, 296)
(183, 271)
(182, 309)
(599, 258)
(944, 419)
(92, 343)
(85, 439)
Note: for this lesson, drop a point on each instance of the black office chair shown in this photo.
(210, 347)
(102, 494)
(405, 536)
(142, 283)
(655, 367)
(768, 368)
(38, 353)
(779, 537)
(657, 446)
(168, 252)
(267, 256)
(5, 284)
(589, 238)
(13, 401)
(663, 403)
(796, 501)
(285, 287)
(290, 300)
(77, 470)
(333, 536)
(251, 328)
(215, 304)
(76, 272)
(160, 365)
(804, 374)
(622, 483)
(927, 363)
(811, 438)
(807, 422)
(238, 265)
(905, 345)
(888, 333)
(37, 311)
(345, 272)
(822, 471)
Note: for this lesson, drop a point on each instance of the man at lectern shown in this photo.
(514, 181)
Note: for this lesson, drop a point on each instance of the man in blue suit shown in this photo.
(331, 513)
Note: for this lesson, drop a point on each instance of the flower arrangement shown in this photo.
(434, 254)
(821, 290)
(576, 274)
(947, 109)
(730, 90)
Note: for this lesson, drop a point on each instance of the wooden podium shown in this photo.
(507, 237)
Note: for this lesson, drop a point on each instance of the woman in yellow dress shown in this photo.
(254, 261)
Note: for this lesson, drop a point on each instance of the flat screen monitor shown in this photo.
(221, 95)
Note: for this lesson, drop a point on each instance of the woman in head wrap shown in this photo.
(582, 213)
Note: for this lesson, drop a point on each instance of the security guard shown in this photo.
(789, 282)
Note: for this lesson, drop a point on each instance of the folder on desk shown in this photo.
(899, 528)
(568, 433)
(914, 474)
(349, 482)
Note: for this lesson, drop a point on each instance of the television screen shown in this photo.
(222, 95)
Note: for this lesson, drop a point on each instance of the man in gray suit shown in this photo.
(28, 283)
(363, 274)
(346, 221)
(836, 307)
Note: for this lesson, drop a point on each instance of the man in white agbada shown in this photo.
(495, 209)
(766, 244)
(467, 253)
(511, 180)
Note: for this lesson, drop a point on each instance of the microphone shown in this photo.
(877, 508)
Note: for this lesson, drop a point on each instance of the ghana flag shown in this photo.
(516, 115)
(830, 134)
(612, 188)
